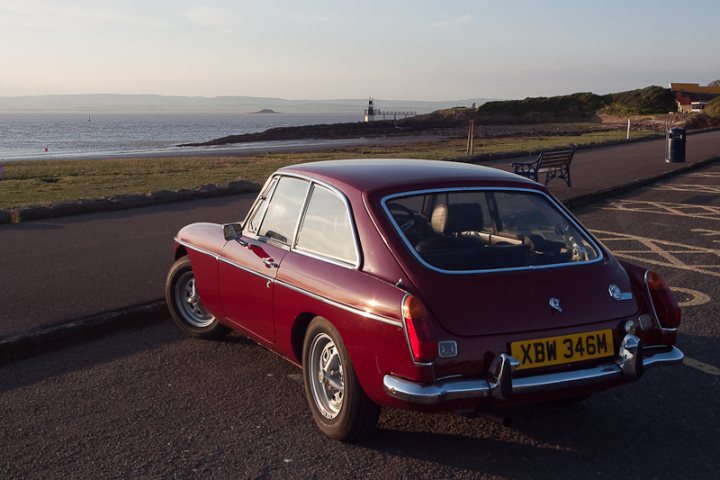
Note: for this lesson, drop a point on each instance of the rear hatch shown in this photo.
(494, 260)
(528, 300)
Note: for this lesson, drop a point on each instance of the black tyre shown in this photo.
(185, 305)
(339, 406)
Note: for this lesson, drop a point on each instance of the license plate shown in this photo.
(543, 352)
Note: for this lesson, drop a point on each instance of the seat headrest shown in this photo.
(457, 218)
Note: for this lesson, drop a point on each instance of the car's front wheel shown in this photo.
(185, 306)
(339, 406)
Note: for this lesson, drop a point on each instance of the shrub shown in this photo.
(643, 101)
(701, 120)
(712, 109)
(583, 104)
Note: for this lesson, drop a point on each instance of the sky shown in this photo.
(334, 49)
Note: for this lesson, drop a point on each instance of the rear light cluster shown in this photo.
(664, 303)
(419, 330)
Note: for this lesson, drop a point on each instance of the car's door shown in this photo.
(321, 269)
(249, 265)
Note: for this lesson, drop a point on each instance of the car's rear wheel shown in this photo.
(339, 406)
(185, 305)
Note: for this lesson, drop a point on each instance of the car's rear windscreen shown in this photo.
(479, 229)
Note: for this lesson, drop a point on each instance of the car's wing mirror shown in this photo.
(233, 231)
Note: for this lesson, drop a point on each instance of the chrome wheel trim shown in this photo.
(189, 304)
(327, 382)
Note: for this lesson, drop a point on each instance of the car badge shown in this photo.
(618, 294)
(555, 303)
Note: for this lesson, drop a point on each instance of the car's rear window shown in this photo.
(474, 230)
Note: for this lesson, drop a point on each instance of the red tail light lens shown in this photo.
(423, 345)
(666, 307)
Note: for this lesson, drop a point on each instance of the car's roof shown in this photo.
(367, 175)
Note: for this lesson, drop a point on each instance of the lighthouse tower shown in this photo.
(370, 111)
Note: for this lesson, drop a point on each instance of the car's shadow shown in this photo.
(663, 426)
(80, 355)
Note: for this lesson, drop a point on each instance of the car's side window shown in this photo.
(326, 229)
(283, 210)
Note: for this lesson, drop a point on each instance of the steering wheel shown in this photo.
(408, 221)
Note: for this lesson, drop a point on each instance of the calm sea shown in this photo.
(26, 136)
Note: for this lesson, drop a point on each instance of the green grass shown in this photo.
(37, 183)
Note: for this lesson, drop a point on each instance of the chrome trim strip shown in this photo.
(554, 381)
(261, 195)
(357, 311)
(347, 308)
(245, 269)
(301, 218)
(354, 310)
(342, 306)
(589, 236)
(196, 248)
(223, 259)
(407, 336)
(452, 389)
(469, 388)
(652, 306)
(324, 258)
(672, 357)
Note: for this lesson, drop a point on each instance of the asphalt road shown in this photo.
(63, 269)
(152, 404)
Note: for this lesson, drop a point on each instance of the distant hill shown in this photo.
(111, 103)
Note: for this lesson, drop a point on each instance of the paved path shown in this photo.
(59, 270)
(603, 168)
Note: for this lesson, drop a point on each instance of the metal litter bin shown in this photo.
(676, 141)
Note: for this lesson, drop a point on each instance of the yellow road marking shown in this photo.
(688, 188)
(697, 298)
(661, 248)
(706, 232)
(704, 212)
(703, 367)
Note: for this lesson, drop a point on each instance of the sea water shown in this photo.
(67, 135)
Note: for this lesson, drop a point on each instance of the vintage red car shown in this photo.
(425, 285)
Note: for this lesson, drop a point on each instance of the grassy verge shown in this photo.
(37, 183)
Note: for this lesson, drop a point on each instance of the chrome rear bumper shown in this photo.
(631, 362)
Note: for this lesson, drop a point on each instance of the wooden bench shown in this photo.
(553, 164)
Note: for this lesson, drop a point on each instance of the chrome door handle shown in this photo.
(270, 263)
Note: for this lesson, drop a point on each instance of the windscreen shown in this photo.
(473, 230)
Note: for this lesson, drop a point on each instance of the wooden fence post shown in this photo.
(471, 139)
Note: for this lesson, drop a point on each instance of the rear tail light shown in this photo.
(664, 303)
(418, 327)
